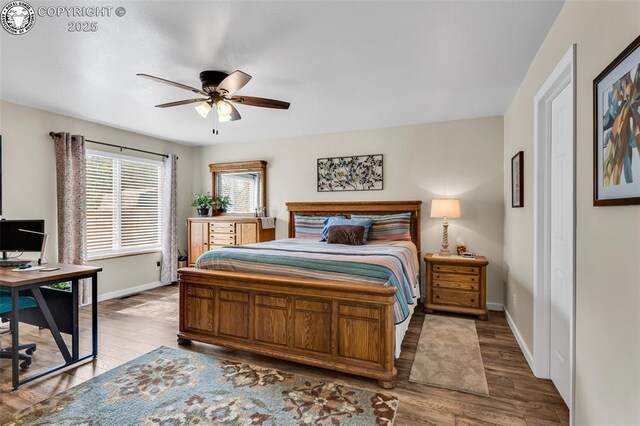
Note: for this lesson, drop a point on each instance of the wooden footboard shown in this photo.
(338, 326)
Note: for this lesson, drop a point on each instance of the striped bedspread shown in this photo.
(389, 263)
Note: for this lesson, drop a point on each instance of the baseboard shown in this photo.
(495, 306)
(128, 291)
(523, 346)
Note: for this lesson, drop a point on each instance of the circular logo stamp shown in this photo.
(17, 17)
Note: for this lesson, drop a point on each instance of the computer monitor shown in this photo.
(13, 237)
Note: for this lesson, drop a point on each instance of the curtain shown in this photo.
(72, 212)
(169, 269)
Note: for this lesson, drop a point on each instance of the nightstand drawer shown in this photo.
(456, 285)
(456, 269)
(456, 278)
(455, 298)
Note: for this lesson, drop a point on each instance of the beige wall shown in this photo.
(458, 159)
(29, 182)
(608, 238)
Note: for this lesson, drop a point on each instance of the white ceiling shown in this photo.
(342, 65)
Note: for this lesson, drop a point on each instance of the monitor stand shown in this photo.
(8, 262)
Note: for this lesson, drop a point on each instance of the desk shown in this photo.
(33, 280)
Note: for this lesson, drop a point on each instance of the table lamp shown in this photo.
(445, 208)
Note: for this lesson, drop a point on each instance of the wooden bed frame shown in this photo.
(334, 325)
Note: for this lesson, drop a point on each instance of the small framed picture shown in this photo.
(616, 130)
(517, 180)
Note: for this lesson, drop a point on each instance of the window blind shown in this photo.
(123, 204)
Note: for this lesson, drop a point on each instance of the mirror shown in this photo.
(244, 183)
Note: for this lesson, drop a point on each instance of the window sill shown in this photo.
(114, 255)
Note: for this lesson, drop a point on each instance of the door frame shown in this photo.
(563, 75)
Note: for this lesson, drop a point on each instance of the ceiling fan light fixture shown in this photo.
(224, 118)
(203, 109)
(224, 109)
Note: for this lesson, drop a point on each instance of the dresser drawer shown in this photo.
(455, 298)
(460, 278)
(222, 239)
(456, 269)
(222, 228)
(456, 285)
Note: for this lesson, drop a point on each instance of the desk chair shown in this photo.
(24, 302)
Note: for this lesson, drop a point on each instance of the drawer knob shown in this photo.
(437, 297)
(472, 300)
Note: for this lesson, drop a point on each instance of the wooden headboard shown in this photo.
(362, 207)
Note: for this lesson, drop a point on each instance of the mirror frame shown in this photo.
(241, 166)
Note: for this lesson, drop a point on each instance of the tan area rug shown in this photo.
(448, 356)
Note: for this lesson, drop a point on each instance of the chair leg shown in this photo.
(26, 358)
(29, 348)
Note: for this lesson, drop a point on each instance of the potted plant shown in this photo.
(202, 201)
(222, 203)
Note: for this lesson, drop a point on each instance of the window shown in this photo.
(123, 204)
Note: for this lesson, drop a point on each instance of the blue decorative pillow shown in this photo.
(311, 227)
(343, 221)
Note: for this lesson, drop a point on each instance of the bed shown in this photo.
(332, 306)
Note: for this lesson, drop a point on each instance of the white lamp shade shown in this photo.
(203, 109)
(449, 208)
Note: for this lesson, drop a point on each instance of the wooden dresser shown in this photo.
(207, 233)
(456, 284)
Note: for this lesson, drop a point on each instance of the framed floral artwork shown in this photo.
(616, 132)
(517, 180)
(359, 173)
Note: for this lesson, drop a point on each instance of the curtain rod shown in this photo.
(52, 134)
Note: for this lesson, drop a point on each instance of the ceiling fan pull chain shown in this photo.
(216, 120)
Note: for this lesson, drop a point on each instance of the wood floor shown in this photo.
(135, 325)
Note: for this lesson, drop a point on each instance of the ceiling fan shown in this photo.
(218, 89)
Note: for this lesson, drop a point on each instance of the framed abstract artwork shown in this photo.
(517, 180)
(359, 173)
(616, 130)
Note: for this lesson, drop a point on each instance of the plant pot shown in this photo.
(221, 210)
(203, 211)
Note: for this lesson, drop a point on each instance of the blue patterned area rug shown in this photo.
(171, 387)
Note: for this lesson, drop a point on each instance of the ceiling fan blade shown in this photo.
(178, 103)
(235, 115)
(260, 102)
(233, 82)
(173, 83)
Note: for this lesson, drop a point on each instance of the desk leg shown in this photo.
(94, 313)
(75, 334)
(15, 342)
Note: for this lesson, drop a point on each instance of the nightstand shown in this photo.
(456, 284)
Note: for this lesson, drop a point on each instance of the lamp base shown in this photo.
(444, 250)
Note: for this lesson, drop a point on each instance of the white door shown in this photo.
(562, 229)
